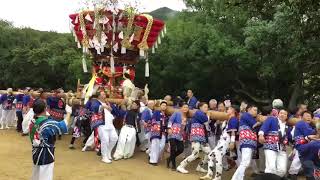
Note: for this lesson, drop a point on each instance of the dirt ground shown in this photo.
(16, 163)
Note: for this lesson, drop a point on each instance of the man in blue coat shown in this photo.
(192, 101)
(274, 135)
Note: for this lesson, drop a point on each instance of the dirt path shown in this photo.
(16, 163)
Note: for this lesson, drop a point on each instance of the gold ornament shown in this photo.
(85, 40)
(126, 40)
(143, 45)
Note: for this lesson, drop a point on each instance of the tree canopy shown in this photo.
(38, 59)
(243, 50)
(247, 50)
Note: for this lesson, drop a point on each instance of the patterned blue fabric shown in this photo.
(192, 103)
(97, 118)
(247, 137)
(7, 101)
(19, 104)
(233, 124)
(146, 116)
(312, 152)
(25, 100)
(159, 125)
(302, 130)
(197, 133)
(175, 126)
(43, 150)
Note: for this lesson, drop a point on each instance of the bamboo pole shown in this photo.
(72, 100)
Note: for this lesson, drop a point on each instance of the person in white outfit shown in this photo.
(111, 133)
(226, 141)
(248, 140)
(198, 140)
(97, 107)
(127, 138)
(28, 113)
(7, 109)
(159, 124)
(274, 137)
(142, 134)
(146, 117)
(43, 131)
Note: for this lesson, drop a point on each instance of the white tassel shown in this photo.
(159, 39)
(116, 47)
(141, 52)
(162, 34)
(76, 21)
(147, 73)
(71, 26)
(88, 17)
(156, 45)
(131, 38)
(79, 45)
(98, 50)
(153, 50)
(120, 35)
(84, 64)
(123, 50)
(165, 29)
(124, 69)
(91, 43)
(112, 65)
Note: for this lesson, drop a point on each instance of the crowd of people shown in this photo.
(238, 142)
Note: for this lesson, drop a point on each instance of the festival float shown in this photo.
(114, 40)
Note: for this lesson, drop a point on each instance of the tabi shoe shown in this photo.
(206, 177)
(117, 158)
(84, 149)
(106, 160)
(182, 170)
(71, 146)
(200, 169)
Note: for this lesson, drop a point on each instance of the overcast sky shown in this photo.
(52, 15)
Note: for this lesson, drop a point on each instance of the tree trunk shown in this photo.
(295, 94)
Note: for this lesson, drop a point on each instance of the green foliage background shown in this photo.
(243, 50)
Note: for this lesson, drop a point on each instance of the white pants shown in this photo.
(246, 157)
(295, 165)
(156, 149)
(196, 147)
(216, 156)
(147, 137)
(111, 140)
(6, 118)
(276, 162)
(212, 141)
(12, 118)
(253, 163)
(126, 143)
(143, 138)
(107, 141)
(90, 141)
(27, 120)
(43, 172)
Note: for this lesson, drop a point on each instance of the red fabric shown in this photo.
(118, 71)
(197, 131)
(247, 134)
(140, 21)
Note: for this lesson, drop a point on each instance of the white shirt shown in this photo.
(108, 118)
(142, 107)
(282, 126)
